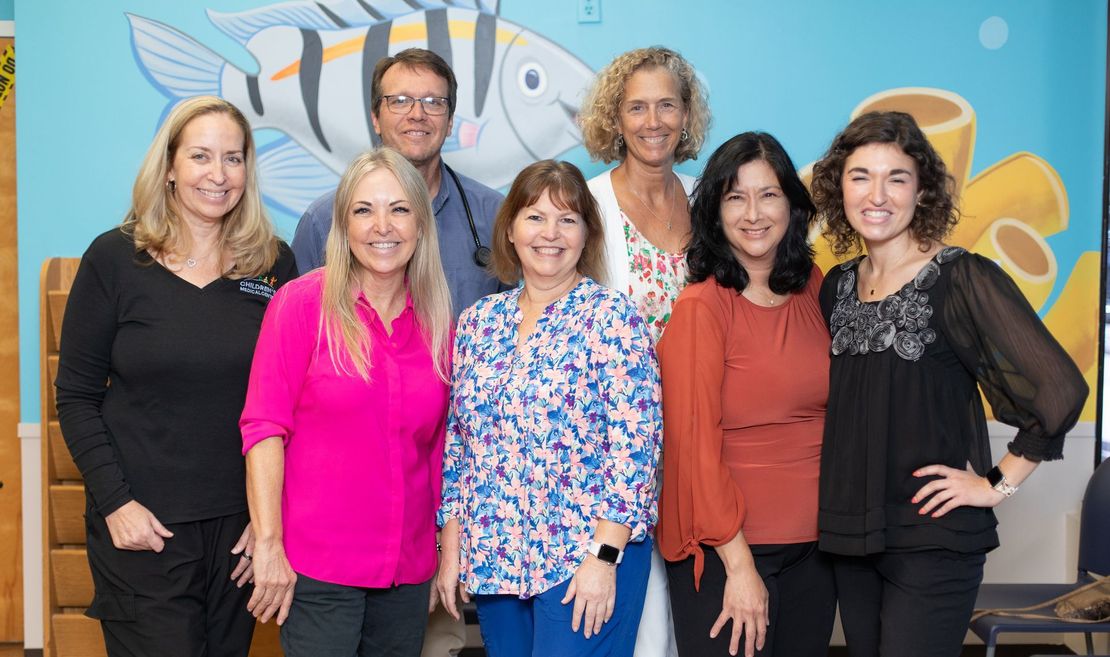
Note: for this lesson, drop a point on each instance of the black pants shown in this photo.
(907, 604)
(179, 602)
(333, 620)
(801, 592)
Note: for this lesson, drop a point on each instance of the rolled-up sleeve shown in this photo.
(1029, 380)
(286, 343)
(629, 380)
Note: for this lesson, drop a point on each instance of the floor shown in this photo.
(969, 651)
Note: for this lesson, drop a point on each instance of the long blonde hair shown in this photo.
(246, 235)
(347, 337)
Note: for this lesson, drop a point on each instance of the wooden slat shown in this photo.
(73, 586)
(76, 635)
(48, 386)
(266, 642)
(57, 300)
(64, 467)
(67, 513)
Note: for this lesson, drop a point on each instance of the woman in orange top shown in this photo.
(745, 378)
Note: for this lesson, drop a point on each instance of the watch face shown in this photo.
(608, 553)
(994, 477)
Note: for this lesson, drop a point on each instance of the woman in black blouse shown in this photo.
(156, 349)
(907, 480)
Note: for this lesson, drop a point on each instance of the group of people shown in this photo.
(622, 416)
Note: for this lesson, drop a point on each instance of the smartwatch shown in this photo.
(998, 482)
(606, 553)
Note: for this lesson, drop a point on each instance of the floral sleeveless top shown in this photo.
(655, 278)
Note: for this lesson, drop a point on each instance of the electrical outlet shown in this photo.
(589, 11)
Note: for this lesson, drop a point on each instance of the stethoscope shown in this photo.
(482, 254)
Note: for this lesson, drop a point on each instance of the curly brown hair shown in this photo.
(936, 213)
(599, 116)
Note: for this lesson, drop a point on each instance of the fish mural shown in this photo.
(518, 92)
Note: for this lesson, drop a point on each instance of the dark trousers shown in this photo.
(801, 594)
(177, 602)
(333, 620)
(540, 626)
(907, 604)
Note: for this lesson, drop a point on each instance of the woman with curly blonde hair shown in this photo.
(167, 308)
(648, 111)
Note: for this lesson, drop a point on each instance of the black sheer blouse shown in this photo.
(903, 395)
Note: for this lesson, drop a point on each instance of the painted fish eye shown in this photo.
(532, 79)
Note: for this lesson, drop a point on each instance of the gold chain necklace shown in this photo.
(670, 215)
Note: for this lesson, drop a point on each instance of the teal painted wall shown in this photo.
(797, 69)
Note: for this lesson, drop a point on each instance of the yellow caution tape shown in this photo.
(7, 73)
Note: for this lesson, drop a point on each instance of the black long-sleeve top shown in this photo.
(152, 378)
(904, 393)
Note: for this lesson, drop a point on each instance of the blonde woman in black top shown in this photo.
(156, 349)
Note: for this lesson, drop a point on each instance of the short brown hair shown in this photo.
(567, 188)
(935, 215)
(414, 58)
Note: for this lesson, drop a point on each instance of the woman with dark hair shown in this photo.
(552, 437)
(745, 376)
(907, 483)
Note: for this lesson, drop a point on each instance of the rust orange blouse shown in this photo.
(744, 395)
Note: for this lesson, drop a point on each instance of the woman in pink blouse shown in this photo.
(344, 424)
(553, 437)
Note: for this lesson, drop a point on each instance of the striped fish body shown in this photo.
(517, 98)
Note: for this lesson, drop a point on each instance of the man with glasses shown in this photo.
(413, 95)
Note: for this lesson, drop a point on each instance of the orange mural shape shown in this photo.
(1006, 212)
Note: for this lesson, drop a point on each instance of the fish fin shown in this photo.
(241, 26)
(290, 177)
(175, 63)
(465, 135)
(450, 144)
(306, 15)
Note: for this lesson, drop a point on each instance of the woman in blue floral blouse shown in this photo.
(553, 436)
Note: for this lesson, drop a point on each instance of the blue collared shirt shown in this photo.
(468, 282)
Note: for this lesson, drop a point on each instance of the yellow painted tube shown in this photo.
(1074, 318)
(1089, 412)
(1022, 186)
(1023, 254)
(946, 118)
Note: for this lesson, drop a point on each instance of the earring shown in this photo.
(685, 135)
(172, 186)
(620, 141)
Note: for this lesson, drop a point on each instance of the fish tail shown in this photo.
(175, 63)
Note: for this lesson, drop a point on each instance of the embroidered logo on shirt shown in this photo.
(263, 286)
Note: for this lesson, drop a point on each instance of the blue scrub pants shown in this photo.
(540, 626)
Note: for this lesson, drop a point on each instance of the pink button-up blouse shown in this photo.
(363, 460)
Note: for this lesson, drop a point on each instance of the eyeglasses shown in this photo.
(433, 105)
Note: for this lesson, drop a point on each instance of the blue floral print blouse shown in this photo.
(544, 440)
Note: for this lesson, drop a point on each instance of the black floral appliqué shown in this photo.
(901, 320)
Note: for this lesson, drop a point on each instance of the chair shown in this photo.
(1094, 557)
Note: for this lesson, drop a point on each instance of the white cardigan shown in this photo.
(616, 247)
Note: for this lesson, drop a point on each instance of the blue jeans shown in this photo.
(540, 626)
